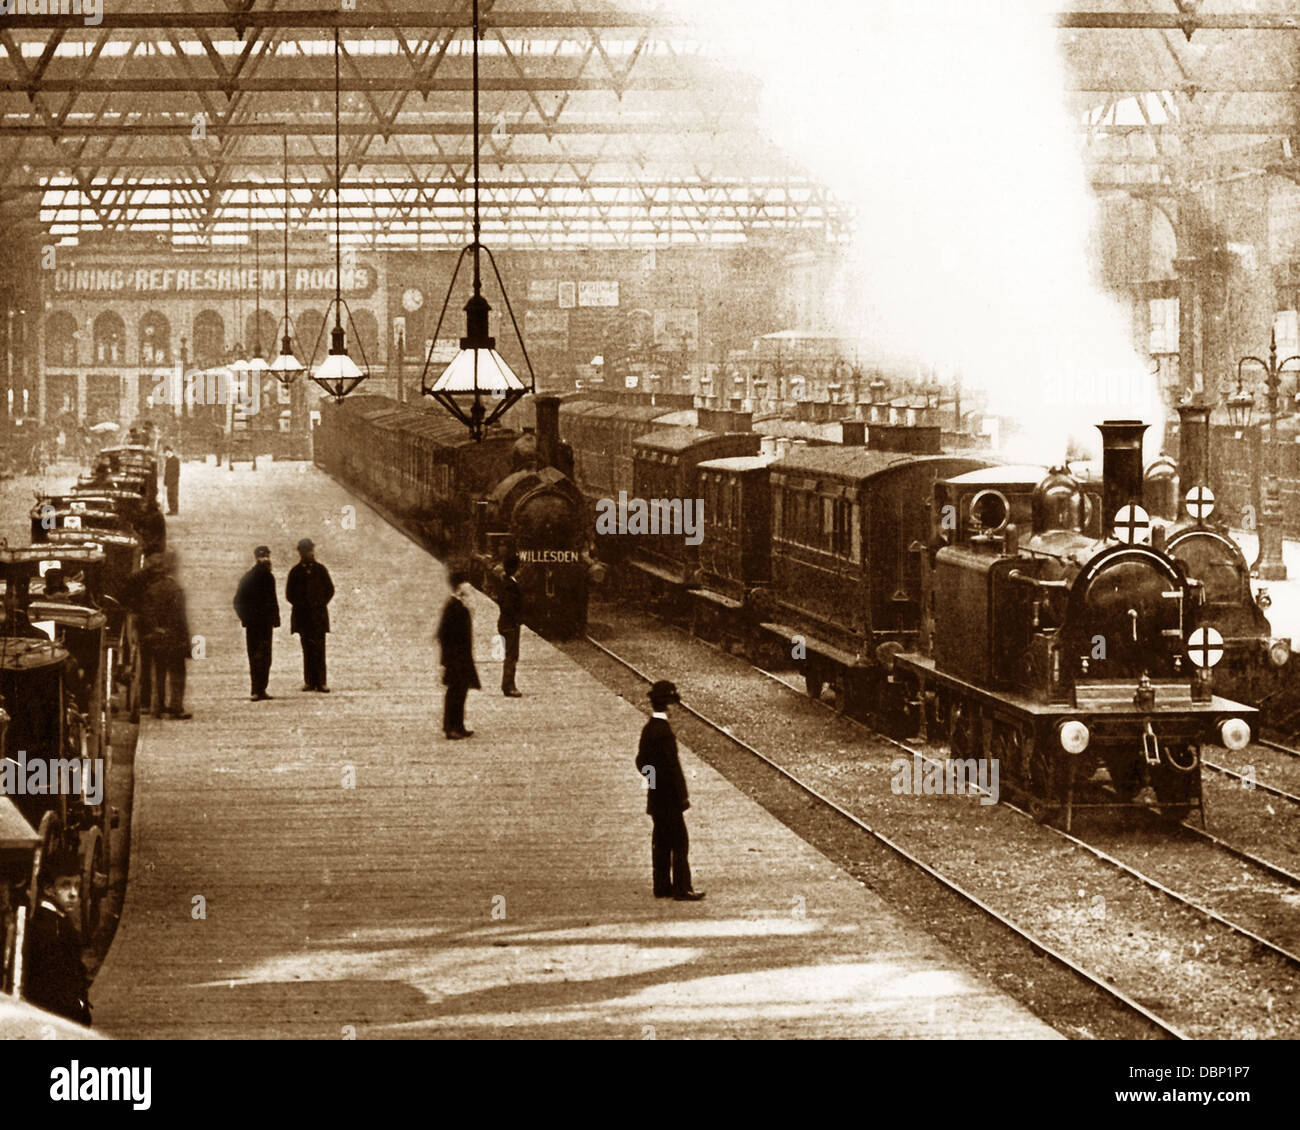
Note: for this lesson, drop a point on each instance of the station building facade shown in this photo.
(125, 321)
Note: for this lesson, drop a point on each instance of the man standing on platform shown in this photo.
(165, 626)
(151, 527)
(172, 479)
(455, 636)
(511, 605)
(56, 979)
(309, 590)
(137, 584)
(259, 611)
(666, 799)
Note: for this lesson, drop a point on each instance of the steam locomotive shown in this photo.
(475, 502)
(1256, 665)
(1060, 654)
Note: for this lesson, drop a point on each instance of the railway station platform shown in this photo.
(328, 866)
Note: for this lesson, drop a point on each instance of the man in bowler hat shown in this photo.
(309, 590)
(666, 799)
(258, 610)
(455, 636)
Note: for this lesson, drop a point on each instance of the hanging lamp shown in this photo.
(286, 368)
(338, 374)
(478, 371)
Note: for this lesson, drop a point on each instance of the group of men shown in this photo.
(309, 591)
(657, 759)
(455, 636)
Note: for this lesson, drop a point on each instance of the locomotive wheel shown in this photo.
(1039, 799)
(1013, 754)
(963, 740)
(94, 881)
(840, 688)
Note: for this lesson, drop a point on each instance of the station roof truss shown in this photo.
(603, 124)
(1176, 95)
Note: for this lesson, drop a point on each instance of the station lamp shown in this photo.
(478, 372)
(338, 374)
(286, 368)
(1239, 405)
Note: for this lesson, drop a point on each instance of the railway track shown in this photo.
(1280, 873)
(1252, 783)
(1281, 748)
(1144, 1019)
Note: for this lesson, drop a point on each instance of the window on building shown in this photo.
(110, 340)
(61, 339)
(209, 340)
(155, 339)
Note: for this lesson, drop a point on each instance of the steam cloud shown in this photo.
(945, 122)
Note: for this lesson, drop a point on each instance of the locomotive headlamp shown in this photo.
(1234, 733)
(1073, 736)
(1279, 651)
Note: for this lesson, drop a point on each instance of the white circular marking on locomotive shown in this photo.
(1132, 525)
(1200, 503)
(1205, 647)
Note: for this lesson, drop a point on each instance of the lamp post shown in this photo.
(1269, 565)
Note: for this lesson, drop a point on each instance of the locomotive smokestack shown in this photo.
(1121, 467)
(1193, 449)
(548, 430)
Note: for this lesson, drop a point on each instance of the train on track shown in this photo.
(996, 607)
(478, 503)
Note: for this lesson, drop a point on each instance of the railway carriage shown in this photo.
(663, 560)
(735, 554)
(848, 528)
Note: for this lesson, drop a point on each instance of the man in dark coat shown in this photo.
(151, 527)
(455, 636)
(258, 610)
(666, 799)
(172, 479)
(137, 584)
(55, 978)
(309, 590)
(510, 614)
(165, 627)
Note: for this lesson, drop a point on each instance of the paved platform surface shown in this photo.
(329, 866)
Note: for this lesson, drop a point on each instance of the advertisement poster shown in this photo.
(598, 292)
